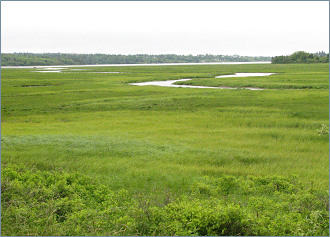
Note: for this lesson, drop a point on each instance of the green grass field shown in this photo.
(156, 141)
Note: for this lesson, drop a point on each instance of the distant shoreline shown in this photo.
(142, 64)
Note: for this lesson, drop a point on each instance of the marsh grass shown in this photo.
(152, 140)
(293, 78)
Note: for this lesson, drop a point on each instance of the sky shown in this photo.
(245, 28)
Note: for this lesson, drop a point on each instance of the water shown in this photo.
(105, 72)
(170, 83)
(151, 64)
(257, 74)
(49, 71)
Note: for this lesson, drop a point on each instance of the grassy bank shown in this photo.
(156, 140)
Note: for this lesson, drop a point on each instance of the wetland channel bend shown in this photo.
(170, 83)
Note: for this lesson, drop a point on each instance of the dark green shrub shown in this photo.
(57, 203)
(201, 218)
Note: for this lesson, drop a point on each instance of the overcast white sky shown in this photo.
(248, 28)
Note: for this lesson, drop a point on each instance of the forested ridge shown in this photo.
(302, 57)
(44, 59)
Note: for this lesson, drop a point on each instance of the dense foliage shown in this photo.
(302, 57)
(38, 202)
(32, 59)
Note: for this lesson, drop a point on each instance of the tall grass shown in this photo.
(151, 140)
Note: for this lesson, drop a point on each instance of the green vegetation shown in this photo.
(310, 76)
(302, 57)
(86, 153)
(32, 59)
(57, 203)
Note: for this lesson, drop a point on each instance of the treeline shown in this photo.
(46, 59)
(302, 57)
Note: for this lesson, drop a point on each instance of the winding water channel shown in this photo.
(170, 83)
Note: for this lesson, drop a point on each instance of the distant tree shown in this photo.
(301, 57)
(31, 59)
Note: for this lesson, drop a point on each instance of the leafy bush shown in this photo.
(38, 202)
(274, 205)
(200, 217)
(57, 203)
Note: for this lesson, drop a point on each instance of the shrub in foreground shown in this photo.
(38, 202)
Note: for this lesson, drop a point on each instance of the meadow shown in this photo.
(154, 151)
